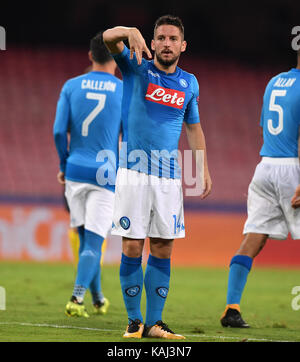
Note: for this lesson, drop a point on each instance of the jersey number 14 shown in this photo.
(101, 98)
(276, 108)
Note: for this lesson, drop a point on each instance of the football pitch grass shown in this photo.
(36, 295)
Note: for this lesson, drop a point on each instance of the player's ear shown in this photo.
(152, 45)
(90, 56)
(183, 46)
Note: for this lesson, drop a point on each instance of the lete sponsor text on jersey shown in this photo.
(165, 96)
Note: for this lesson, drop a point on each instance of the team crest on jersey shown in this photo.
(125, 222)
(132, 291)
(166, 96)
(183, 83)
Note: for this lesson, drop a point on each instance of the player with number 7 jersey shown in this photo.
(270, 195)
(89, 110)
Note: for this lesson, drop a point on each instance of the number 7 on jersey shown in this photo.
(101, 98)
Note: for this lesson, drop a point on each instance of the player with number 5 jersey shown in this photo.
(272, 194)
(89, 109)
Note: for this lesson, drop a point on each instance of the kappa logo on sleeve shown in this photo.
(168, 97)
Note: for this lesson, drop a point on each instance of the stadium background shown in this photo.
(233, 49)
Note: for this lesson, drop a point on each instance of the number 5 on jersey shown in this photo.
(276, 108)
(101, 98)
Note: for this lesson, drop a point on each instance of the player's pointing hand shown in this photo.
(137, 45)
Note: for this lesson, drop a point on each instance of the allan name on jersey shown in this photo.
(165, 96)
(284, 82)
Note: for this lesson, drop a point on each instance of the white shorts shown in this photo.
(269, 199)
(147, 206)
(91, 206)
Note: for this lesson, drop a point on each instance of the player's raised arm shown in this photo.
(114, 37)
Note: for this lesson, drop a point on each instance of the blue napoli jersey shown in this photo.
(155, 105)
(89, 108)
(280, 117)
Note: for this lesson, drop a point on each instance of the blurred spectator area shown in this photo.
(30, 83)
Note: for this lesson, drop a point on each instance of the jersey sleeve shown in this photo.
(60, 128)
(127, 65)
(192, 110)
(261, 122)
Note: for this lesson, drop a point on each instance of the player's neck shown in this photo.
(298, 62)
(167, 69)
(106, 68)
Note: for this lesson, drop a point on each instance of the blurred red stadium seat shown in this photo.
(31, 79)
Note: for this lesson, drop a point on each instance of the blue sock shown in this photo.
(157, 278)
(240, 267)
(81, 238)
(95, 287)
(131, 278)
(89, 260)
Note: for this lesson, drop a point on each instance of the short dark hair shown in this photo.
(170, 20)
(100, 53)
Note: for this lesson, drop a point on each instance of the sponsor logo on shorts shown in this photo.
(132, 291)
(125, 222)
(162, 292)
(168, 97)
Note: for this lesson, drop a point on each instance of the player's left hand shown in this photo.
(207, 185)
(295, 202)
(61, 178)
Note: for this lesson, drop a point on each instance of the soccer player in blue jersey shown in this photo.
(273, 195)
(158, 97)
(89, 108)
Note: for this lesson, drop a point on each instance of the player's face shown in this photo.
(168, 44)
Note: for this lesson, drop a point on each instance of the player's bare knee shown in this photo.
(252, 244)
(161, 248)
(132, 248)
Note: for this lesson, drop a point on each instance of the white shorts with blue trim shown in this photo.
(269, 199)
(91, 206)
(147, 206)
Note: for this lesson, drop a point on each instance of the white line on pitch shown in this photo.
(115, 330)
(57, 326)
